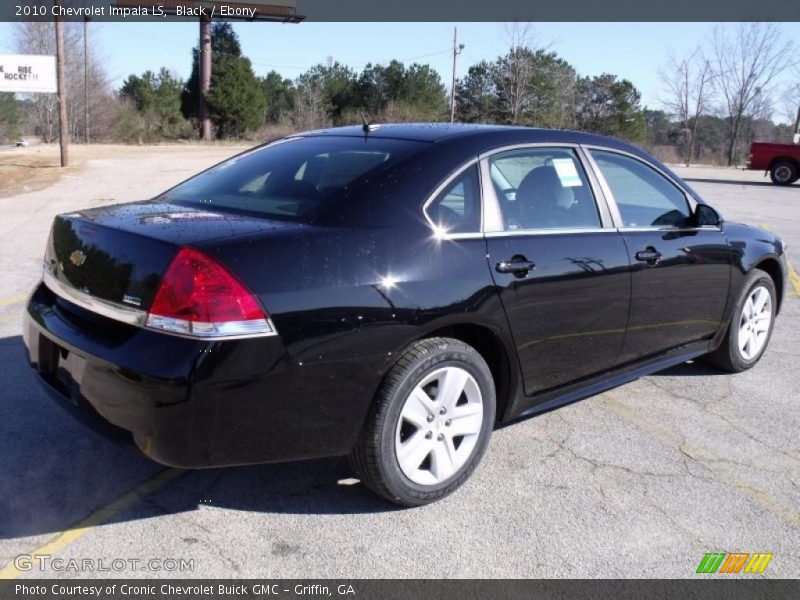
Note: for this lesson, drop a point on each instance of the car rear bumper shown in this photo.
(117, 379)
(80, 410)
(184, 403)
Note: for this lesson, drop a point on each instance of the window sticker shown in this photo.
(567, 173)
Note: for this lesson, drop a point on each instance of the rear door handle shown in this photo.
(650, 255)
(515, 266)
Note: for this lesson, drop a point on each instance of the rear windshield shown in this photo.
(292, 179)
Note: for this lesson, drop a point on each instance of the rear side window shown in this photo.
(457, 209)
(292, 179)
(645, 197)
(543, 188)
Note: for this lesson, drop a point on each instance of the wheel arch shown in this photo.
(772, 267)
(783, 158)
(493, 350)
(788, 159)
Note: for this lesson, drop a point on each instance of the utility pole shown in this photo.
(796, 130)
(457, 48)
(205, 78)
(86, 80)
(63, 125)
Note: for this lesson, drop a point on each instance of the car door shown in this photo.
(680, 273)
(559, 265)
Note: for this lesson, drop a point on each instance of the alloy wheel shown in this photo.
(439, 426)
(754, 322)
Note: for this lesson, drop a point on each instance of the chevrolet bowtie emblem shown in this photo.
(77, 258)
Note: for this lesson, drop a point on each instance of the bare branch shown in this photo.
(746, 64)
(688, 89)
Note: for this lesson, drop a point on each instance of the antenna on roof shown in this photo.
(366, 126)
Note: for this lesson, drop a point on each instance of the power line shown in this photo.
(284, 66)
(305, 65)
(445, 51)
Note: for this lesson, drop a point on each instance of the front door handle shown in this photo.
(650, 255)
(516, 266)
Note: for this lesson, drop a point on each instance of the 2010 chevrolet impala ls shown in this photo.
(391, 293)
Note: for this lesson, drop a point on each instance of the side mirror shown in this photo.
(705, 215)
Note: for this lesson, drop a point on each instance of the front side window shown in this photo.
(457, 209)
(645, 197)
(543, 188)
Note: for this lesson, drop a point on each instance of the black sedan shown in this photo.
(390, 293)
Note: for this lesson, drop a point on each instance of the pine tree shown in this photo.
(235, 99)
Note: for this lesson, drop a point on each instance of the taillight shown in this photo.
(198, 297)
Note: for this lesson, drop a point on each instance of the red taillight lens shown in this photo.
(199, 297)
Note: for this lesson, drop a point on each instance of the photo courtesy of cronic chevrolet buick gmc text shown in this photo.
(390, 293)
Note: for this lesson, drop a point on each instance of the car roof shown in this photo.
(469, 139)
(420, 132)
(437, 132)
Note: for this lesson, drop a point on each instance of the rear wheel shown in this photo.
(751, 325)
(429, 425)
(783, 172)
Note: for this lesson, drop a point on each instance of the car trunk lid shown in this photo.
(120, 253)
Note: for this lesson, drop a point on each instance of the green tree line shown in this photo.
(528, 85)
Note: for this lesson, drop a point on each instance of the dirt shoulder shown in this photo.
(33, 168)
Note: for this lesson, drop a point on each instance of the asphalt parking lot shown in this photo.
(640, 481)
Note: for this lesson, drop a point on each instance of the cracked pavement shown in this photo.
(640, 481)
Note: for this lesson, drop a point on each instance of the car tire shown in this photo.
(410, 451)
(783, 172)
(752, 321)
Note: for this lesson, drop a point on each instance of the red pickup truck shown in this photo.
(781, 160)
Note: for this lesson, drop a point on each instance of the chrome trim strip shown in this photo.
(438, 190)
(524, 145)
(111, 310)
(691, 201)
(493, 215)
(635, 157)
(669, 229)
(606, 204)
(611, 201)
(129, 315)
(600, 199)
(530, 232)
(601, 205)
(460, 236)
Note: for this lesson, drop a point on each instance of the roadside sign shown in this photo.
(28, 73)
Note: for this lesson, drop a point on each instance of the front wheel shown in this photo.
(429, 425)
(751, 324)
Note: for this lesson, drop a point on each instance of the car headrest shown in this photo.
(542, 189)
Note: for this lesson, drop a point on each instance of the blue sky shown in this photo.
(631, 50)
